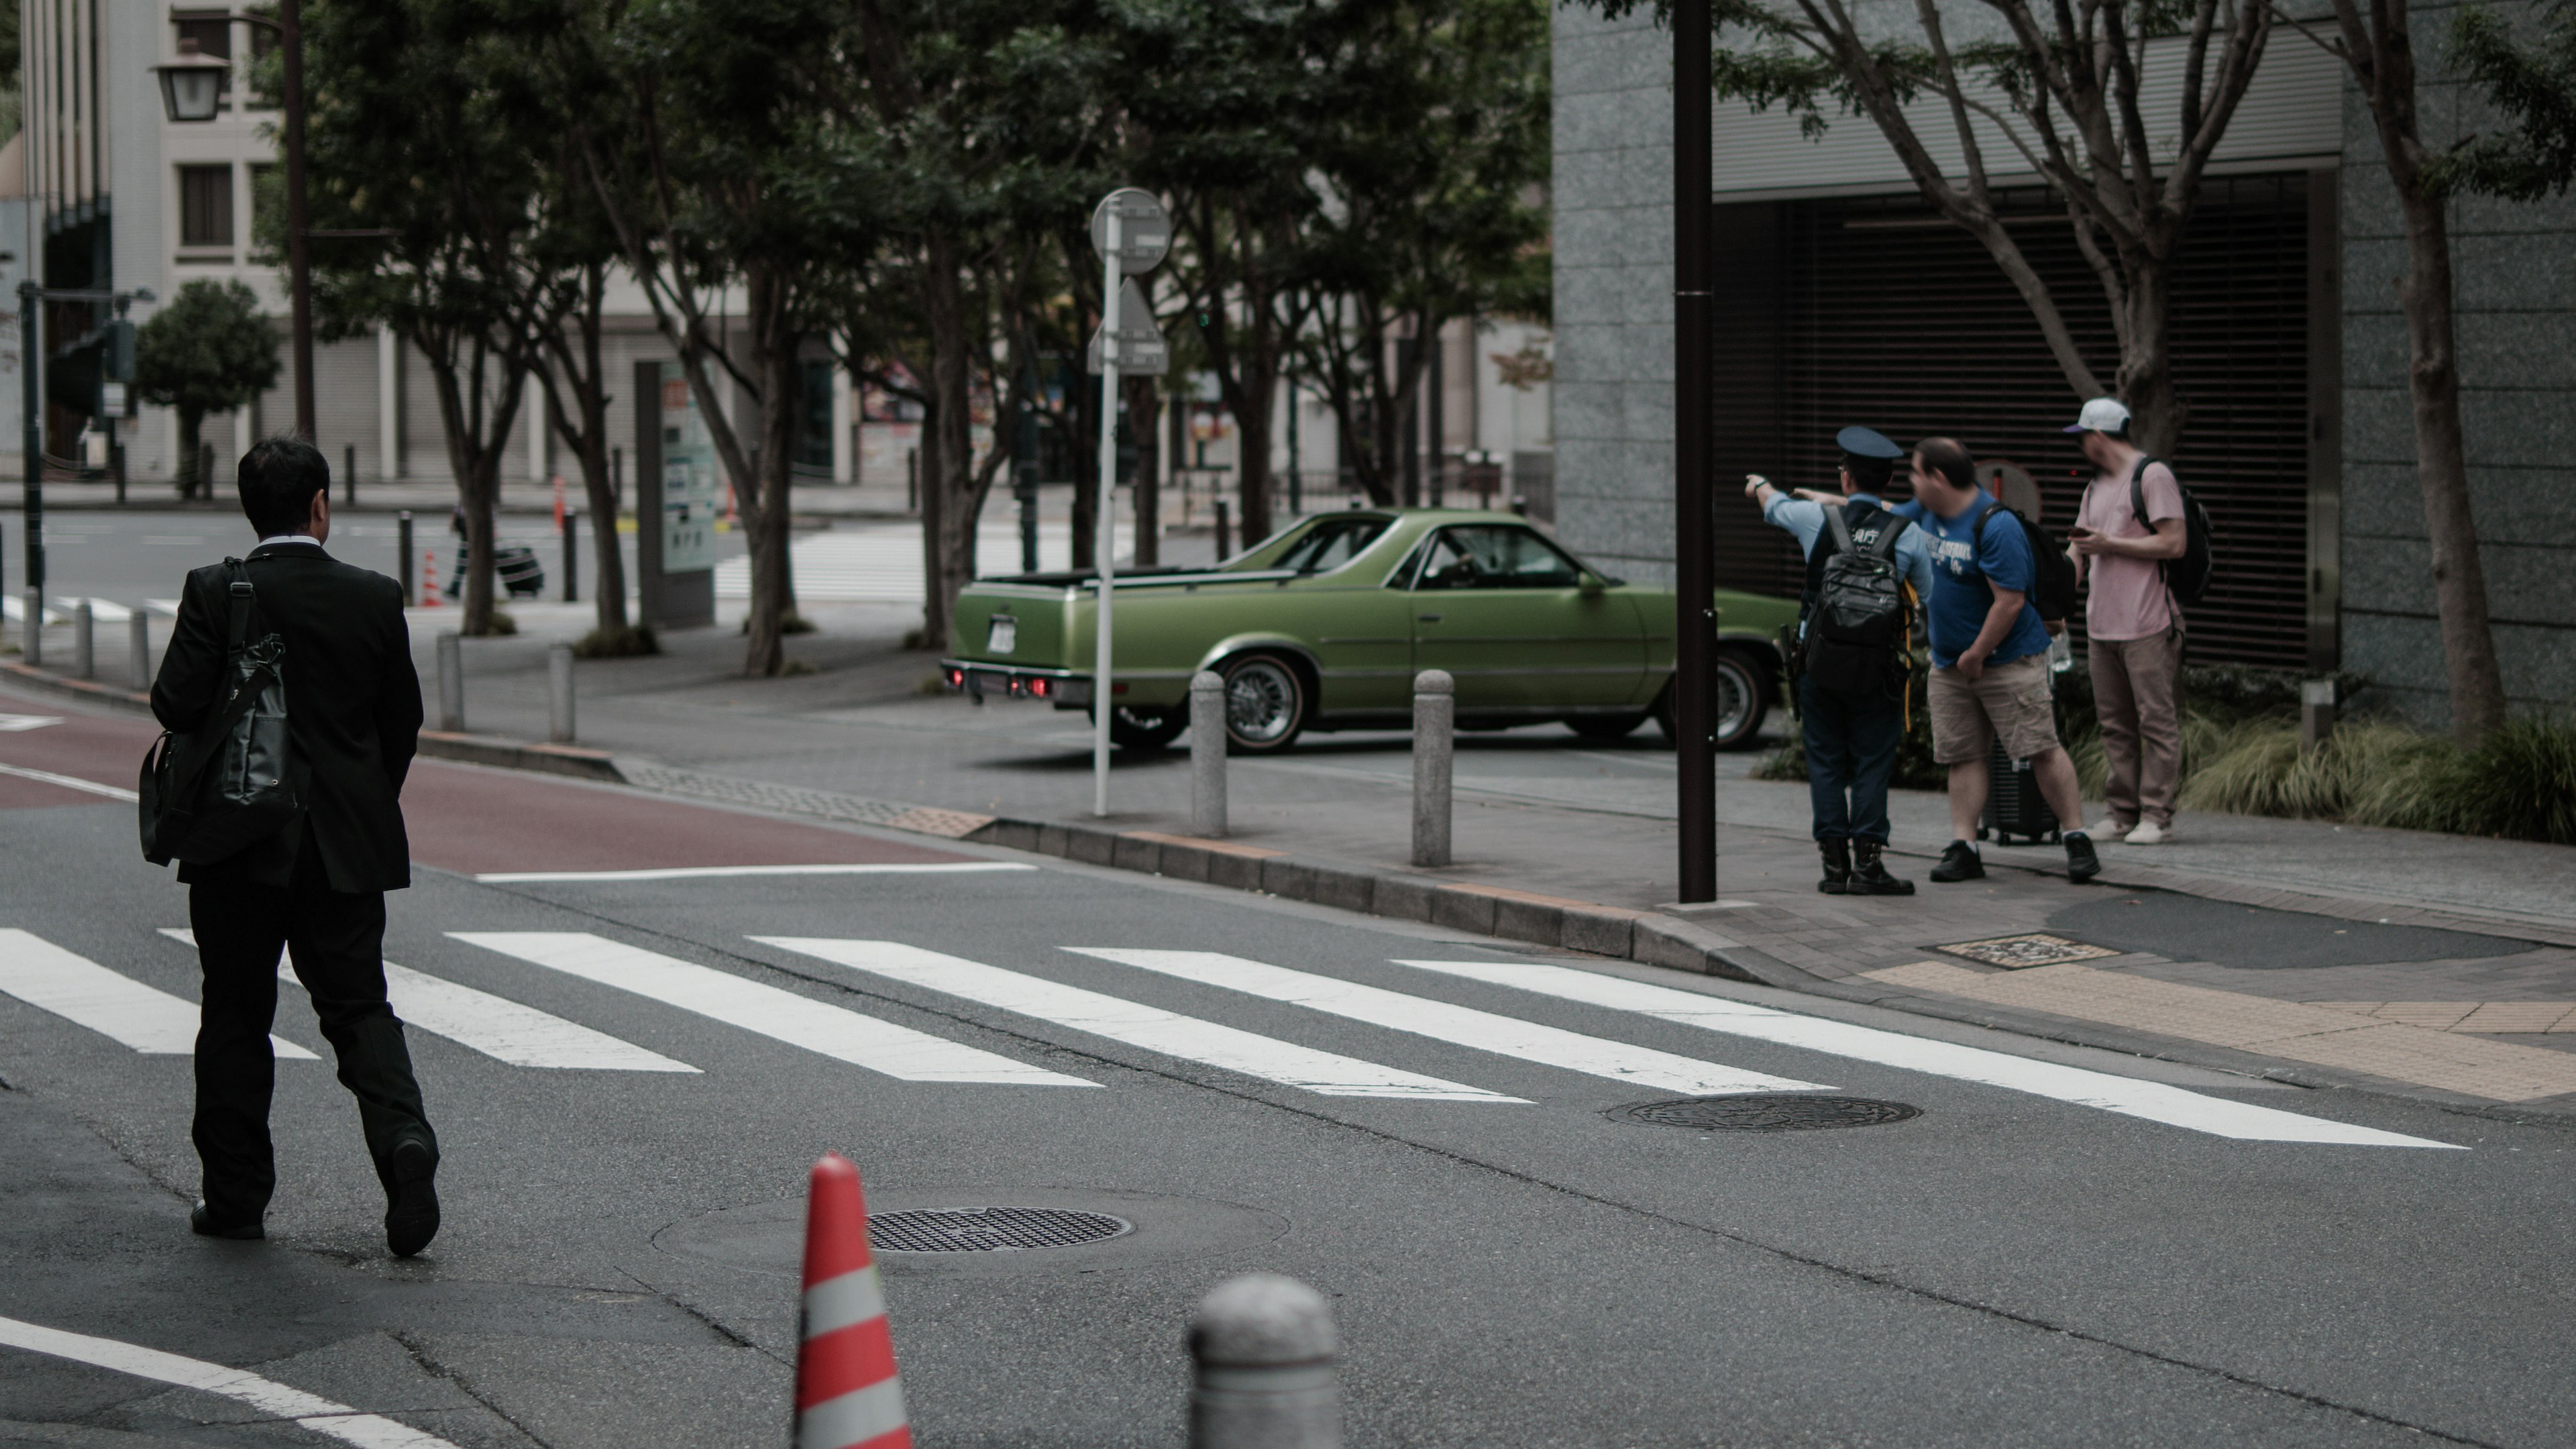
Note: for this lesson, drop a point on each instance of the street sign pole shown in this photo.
(1694, 509)
(1102, 513)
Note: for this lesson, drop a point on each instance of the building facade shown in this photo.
(1844, 299)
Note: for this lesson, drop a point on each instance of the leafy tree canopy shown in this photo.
(208, 349)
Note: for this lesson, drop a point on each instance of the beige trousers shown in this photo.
(2137, 691)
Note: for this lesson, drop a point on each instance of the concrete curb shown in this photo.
(88, 691)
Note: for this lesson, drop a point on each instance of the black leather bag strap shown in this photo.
(226, 710)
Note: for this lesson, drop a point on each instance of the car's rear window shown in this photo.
(1330, 544)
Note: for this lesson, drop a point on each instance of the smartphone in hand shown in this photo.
(2079, 531)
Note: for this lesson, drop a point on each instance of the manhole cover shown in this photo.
(989, 1229)
(2016, 952)
(1777, 1112)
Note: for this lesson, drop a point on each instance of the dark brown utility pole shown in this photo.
(1694, 519)
(290, 39)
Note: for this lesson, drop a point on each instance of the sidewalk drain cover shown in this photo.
(2013, 953)
(989, 1229)
(1769, 1112)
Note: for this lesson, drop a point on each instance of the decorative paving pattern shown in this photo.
(2019, 953)
(797, 800)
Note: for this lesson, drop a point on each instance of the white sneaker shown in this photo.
(2148, 833)
(2109, 829)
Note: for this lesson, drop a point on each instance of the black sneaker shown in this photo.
(1959, 862)
(1838, 865)
(2081, 863)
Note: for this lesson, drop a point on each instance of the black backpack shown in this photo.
(2187, 577)
(225, 786)
(2052, 589)
(1858, 621)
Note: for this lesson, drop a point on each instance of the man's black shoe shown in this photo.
(1959, 863)
(1838, 865)
(2081, 863)
(205, 1225)
(412, 1219)
(1869, 873)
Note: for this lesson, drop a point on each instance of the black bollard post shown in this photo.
(349, 474)
(402, 563)
(572, 556)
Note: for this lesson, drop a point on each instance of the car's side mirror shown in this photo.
(1593, 585)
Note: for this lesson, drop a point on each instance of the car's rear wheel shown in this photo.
(1742, 703)
(1266, 703)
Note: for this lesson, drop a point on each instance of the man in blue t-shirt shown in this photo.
(1989, 658)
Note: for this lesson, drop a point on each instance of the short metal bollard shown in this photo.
(402, 563)
(572, 556)
(1264, 1347)
(84, 640)
(2316, 712)
(559, 694)
(138, 648)
(451, 684)
(1435, 719)
(1207, 754)
(31, 632)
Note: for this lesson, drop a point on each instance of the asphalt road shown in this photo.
(1510, 1264)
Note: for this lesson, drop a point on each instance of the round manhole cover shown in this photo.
(1773, 1112)
(989, 1229)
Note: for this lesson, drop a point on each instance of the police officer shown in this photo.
(1851, 737)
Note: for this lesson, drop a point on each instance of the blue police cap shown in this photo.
(1867, 443)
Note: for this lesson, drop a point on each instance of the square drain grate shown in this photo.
(2014, 953)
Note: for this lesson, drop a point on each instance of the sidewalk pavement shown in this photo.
(2435, 966)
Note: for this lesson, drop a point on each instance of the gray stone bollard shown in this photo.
(138, 648)
(559, 694)
(451, 684)
(1264, 1347)
(84, 640)
(31, 638)
(1435, 717)
(1207, 754)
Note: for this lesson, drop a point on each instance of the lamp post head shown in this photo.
(192, 86)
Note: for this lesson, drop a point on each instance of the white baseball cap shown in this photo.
(2102, 415)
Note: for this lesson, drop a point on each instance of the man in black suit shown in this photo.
(315, 888)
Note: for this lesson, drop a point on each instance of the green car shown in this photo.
(1324, 625)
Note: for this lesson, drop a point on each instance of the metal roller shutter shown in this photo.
(1879, 314)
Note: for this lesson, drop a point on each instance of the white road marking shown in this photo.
(81, 991)
(2154, 1101)
(496, 1026)
(687, 872)
(109, 611)
(1440, 1020)
(169, 609)
(16, 612)
(1134, 1023)
(69, 782)
(879, 1046)
(16, 724)
(267, 1396)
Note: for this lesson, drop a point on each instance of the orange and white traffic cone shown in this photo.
(847, 1394)
(429, 579)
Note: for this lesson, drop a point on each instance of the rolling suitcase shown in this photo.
(517, 569)
(2014, 806)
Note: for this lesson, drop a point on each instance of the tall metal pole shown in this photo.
(1105, 516)
(1694, 521)
(290, 39)
(31, 369)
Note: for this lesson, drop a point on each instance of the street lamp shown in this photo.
(189, 90)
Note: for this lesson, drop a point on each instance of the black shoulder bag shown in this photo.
(219, 789)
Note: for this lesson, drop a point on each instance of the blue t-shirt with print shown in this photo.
(1961, 568)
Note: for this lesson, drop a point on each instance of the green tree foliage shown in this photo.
(2533, 82)
(206, 350)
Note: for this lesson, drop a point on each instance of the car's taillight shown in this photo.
(956, 679)
(1041, 688)
(1019, 686)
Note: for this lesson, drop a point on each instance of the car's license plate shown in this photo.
(1003, 636)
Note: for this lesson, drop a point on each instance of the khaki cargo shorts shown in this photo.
(2009, 700)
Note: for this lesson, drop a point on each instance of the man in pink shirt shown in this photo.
(2133, 626)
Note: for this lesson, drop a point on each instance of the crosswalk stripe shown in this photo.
(12, 724)
(2154, 1101)
(1134, 1023)
(116, 1006)
(496, 1026)
(1442, 1021)
(879, 1046)
(75, 782)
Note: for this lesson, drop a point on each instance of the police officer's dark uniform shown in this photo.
(1851, 739)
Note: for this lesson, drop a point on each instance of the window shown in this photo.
(205, 206)
(209, 33)
(1496, 556)
(1331, 544)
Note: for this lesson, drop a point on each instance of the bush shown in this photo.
(2520, 784)
(631, 642)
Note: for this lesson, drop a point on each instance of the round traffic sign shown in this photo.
(1144, 229)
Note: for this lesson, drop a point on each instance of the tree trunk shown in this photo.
(935, 592)
(774, 356)
(474, 439)
(1252, 438)
(2441, 466)
(192, 427)
(588, 440)
(1085, 452)
(944, 310)
(2146, 380)
(1144, 425)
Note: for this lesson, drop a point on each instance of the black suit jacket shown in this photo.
(352, 700)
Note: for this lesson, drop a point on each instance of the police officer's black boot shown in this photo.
(1838, 866)
(1869, 873)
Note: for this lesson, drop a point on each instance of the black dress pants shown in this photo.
(337, 943)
